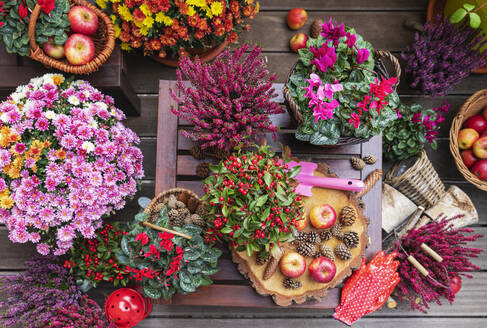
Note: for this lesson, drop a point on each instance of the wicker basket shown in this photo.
(420, 182)
(474, 105)
(104, 41)
(181, 194)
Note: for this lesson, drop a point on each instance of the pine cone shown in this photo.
(183, 212)
(316, 28)
(221, 154)
(342, 252)
(306, 249)
(177, 221)
(302, 236)
(180, 204)
(291, 283)
(325, 235)
(351, 239)
(187, 220)
(171, 202)
(173, 214)
(201, 210)
(357, 163)
(313, 237)
(326, 251)
(197, 152)
(369, 159)
(198, 220)
(336, 230)
(193, 204)
(348, 216)
(262, 260)
(159, 207)
(203, 170)
(183, 197)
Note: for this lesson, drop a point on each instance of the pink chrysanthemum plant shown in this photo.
(228, 101)
(66, 161)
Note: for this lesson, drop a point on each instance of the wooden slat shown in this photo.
(320, 5)
(7, 59)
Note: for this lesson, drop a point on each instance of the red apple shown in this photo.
(83, 20)
(292, 265)
(455, 284)
(480, 169)
(476, 122)
(484, 113)
(79, 49)
(322, 269)
(466, 138)
(52, 49)
(480, 148)
(468, 158)
(296, 18)
(298, 41)
(322, 216)
(301, 224)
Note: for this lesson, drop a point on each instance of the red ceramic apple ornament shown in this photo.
(83, 20)
(455, 284)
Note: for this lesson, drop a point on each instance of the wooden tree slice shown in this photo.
(310, 290)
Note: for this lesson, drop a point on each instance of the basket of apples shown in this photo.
(90, 42)
(468, 139)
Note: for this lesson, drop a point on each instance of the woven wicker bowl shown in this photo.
(104, 40)
(420, 182)
(474, 105)
(181, 194)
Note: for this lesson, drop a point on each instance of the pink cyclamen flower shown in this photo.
(362, 55)
(324, 110)
(351, 39)
(324, 57)
(355, 120)
(142, 237)
(332, 31)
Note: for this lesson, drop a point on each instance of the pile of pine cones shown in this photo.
(186, 210)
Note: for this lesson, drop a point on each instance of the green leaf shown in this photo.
(151, 292)
(86, 286)
(191, 254)
(226, 230)
(293, 172)
(188, 288)
(267, 179)
(122, 259)
(141, 217)
(261, 200)
(458, 15)
(124, 245)
(474, 20)
(468, 6)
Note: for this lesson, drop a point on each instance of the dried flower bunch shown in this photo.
(165, 263)
(405, 137)
(66, 161)
(443, 55)
(337, 90)
(450, 244)
(229, 100)
(251, 201)
(45, 295)
(53, 23)
(92, 261)
(171, 27)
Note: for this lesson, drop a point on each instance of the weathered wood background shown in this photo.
(380, 22)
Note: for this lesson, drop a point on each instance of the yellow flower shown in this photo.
(197, 3)
(145, 9)
(162, 18)
(117, 29)
(257, 7)
(144, 30)
(125, 46)
(102, 3)
(58, 79)
(5, 193)
(191, 11)
(113, 18)
(148, 21)
(216, 8)
(125, 13)
(6, 203)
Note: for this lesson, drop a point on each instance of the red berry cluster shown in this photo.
(252, 200)
(95, 260)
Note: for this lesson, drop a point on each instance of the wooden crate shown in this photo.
(111, 78)
(175, 167)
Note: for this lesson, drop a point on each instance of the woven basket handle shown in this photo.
(35, 52)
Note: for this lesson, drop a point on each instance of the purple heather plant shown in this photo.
(443, 55)
(229, 100)
(34, 298)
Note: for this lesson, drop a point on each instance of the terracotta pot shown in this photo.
(438, 6)
(204, 56)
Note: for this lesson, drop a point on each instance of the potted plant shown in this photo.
(169, 30)
(229, 101)
(67, 161)
(338, 92)
(251, 202)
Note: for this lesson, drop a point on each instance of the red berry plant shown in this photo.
(93, 260)
(251, 201)
(228, 101)
(450, 244)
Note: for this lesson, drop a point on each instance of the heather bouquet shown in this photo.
(165, 263)
(169, 28)
(92, 261)
(66, 162)
(336, 89)
(229, 100)
(251, 201)
(38, 296)
(416, 126)
(52, 23)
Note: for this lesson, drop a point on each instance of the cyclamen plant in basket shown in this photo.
(66, 162)
(416, 126)
(92, 261)
(337, 90)
(172, 27)
(14, 21)
(229, 100)
(251, 201)
(165, 263)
